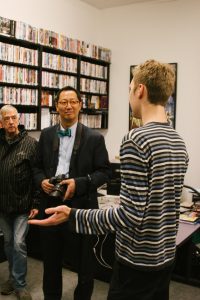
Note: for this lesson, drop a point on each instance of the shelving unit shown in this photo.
(19, 78)
(31, 74)
(94, 88)
(58, 69)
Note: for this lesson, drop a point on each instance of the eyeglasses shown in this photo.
(7, 119)
(72, 102)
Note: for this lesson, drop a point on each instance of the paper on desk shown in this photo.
(186, 198)
(108, 201)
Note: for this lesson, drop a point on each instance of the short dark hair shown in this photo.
(67, 88)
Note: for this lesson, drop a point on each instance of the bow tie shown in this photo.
(66, 132)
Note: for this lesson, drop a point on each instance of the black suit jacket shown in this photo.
(89, 164)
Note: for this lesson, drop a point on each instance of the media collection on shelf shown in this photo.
(23, 31)
(36, 63)
(59, 63)
(29, 120)
(18, 96)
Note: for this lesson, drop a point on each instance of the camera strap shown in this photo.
(76, 146)
(56, 140)
(77, 138)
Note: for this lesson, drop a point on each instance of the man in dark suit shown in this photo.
(79, 153)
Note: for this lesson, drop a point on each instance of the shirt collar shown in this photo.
(73, 128)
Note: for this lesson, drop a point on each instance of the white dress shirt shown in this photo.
(65, 151)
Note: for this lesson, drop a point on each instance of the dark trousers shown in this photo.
(57, 242)
(130, 284)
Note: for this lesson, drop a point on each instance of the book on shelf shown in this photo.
(54, 118)
(62, 42)
(47, 37)
(18, 96)
(53, 39)
(83, 118)
(104, 102)
(7, 26)
(92, 121)
(28, 120)
(91, 69)
(12, 74)
(98, 121)
(17, 54)
(93, 86)
(24, 31)
(73, 45)
(84, 99)
(45, 118)
(47, 98)
(94, 102)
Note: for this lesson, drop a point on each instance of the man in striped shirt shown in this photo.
(154, 161)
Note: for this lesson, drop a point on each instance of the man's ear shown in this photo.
(140, 91)
(56, 105)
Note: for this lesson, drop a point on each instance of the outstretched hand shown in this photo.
(58, 214)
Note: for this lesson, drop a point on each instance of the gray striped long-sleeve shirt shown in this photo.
(154, 161)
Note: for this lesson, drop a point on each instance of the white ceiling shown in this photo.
(102, 4)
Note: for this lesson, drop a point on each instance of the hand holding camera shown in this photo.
(58, 190)
(63, 187)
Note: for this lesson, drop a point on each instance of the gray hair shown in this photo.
(7, 108)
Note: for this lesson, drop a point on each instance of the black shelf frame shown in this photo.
(47, 49)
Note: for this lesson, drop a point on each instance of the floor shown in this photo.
(178, 291)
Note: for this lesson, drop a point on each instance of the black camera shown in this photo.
(58, 190)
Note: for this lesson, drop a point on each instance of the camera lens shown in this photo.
(58, 191)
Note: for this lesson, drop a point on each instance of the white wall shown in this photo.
(70, 17)
(168, 31)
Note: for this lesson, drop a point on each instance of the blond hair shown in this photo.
(159, 79)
